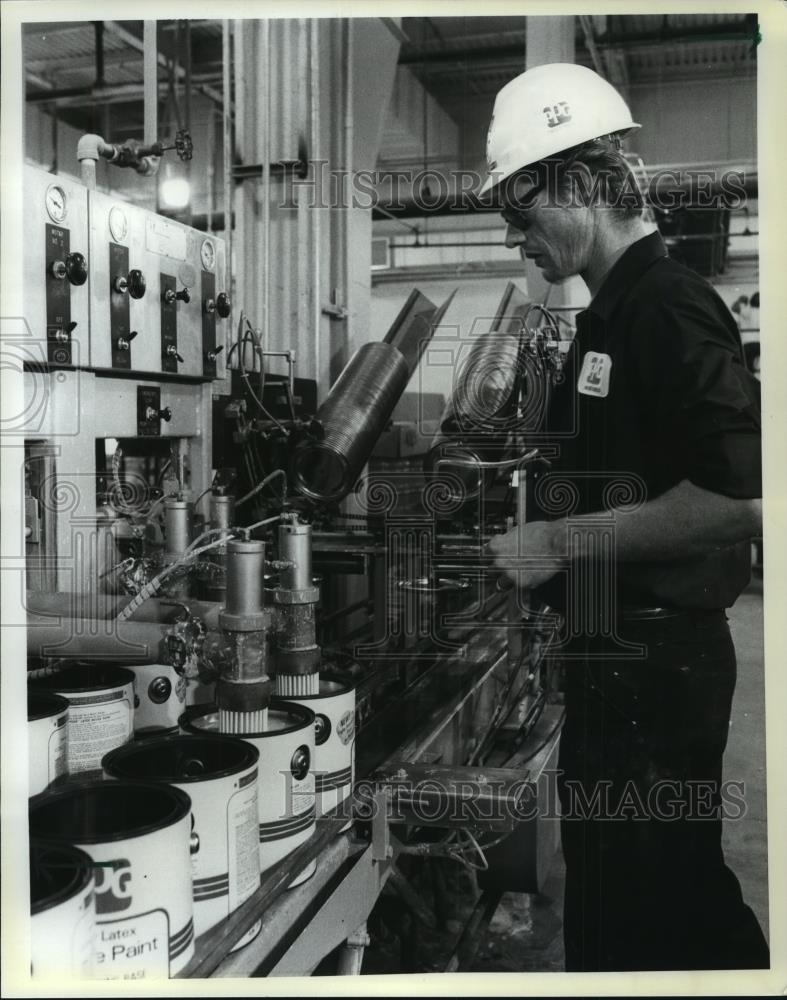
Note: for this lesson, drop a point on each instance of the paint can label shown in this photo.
(96, 725)
(303, 794)
(57, 749)
(133, 947)
(242, 841)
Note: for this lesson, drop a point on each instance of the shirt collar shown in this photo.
(624, 272)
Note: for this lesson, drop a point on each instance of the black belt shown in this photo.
(649, 613)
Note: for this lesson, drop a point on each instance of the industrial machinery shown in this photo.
(266, 573)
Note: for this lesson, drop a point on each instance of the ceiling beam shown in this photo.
(136, 43)
(74, 96)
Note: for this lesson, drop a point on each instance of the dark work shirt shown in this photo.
(655, 390)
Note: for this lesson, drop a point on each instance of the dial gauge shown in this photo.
(118, 223)
(56, 203)
(208, 255)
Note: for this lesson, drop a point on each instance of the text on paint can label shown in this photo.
(346, 727)
(133, 947)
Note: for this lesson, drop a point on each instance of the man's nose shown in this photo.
(514, 237)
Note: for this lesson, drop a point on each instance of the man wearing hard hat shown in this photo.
(656, 427)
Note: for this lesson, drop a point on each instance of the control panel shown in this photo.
(156, 301)
(56, 267)
(114, 287)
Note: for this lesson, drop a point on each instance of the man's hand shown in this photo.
(530, 554)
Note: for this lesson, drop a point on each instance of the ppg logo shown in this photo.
(557, 114)
(113, 886)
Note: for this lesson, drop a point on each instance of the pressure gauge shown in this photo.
(118, 223)
(208, 255)
(56, 203)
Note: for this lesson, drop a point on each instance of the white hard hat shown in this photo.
(546, 110)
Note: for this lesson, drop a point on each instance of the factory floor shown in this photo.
(525, 934)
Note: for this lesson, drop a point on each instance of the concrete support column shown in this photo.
(314, 89)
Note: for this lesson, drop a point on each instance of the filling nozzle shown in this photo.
(243, 691)
(297, 655)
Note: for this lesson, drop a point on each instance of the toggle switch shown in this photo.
(183, 295)
(62, 334)
(212, 355)
(151, 413)
(124, 343)
(172, 352)
(134, 283)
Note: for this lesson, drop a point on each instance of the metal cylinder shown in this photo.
(245, 577)
(479, 413)
(295, 547)
(121, 641)
(177, 528)
(221, 515)
(222, 511)
(352, 417)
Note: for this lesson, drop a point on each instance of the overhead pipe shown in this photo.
(110, 94)
(266, 103)
(80, 638)
(150, 81)
(315, 214)
(226, 222)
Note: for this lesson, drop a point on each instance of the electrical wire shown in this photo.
(205, 535)
(151, 589)
(260, 486)
(204, 493)
(540, 746)
(251, 333)
(259, 524)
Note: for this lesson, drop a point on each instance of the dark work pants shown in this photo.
(642, 804)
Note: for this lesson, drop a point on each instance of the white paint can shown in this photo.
(62, 911)
(220, 777)
(334, 740)
(101, 711)
(47, 739)
(163, 695)
(138, 834)
(286, 778)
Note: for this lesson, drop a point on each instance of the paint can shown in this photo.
(163, 695)
(62, 911)
(47, 739)
(100, 714)
(334, 740)
(220, 777)
(138, 834)
(286, 777)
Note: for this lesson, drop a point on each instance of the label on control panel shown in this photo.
(169, 325)
(58, 299)
(148, 406)
(165, 238)
(119, 320)
(208, 323)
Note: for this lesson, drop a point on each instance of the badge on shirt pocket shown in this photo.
(594, 376)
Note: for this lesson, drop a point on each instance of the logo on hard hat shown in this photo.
(557, 114)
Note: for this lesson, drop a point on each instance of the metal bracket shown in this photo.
(382, 849)
(334, 309)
